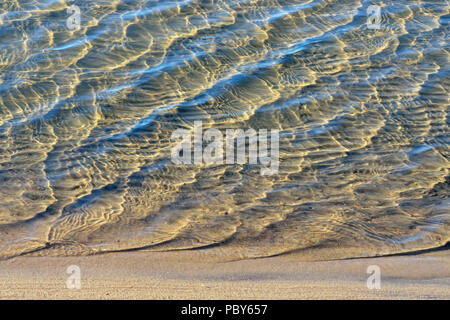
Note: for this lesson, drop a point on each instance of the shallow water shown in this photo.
(86, 118)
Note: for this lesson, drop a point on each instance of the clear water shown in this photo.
(86, 118)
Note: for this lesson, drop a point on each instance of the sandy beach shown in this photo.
(167, 149)
(195, 275)
(155, 149)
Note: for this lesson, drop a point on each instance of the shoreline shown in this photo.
(192, 275)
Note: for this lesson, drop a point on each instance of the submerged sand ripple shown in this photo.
(86, 119)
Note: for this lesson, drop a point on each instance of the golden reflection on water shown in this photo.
(86, 118)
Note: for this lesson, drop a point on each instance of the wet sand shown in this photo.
(195, 275)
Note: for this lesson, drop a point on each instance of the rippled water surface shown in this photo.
(86, 118)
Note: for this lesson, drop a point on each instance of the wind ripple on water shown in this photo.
(86, 118)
